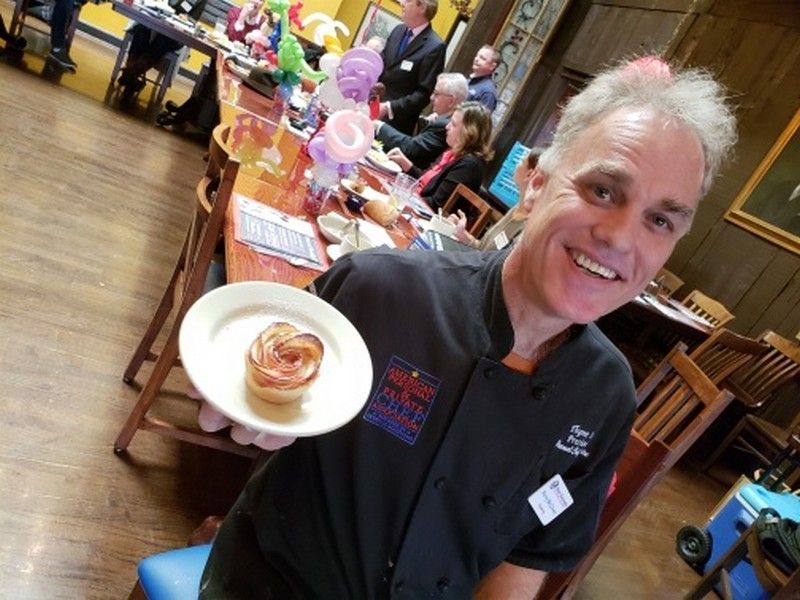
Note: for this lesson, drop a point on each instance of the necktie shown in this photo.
(404, 42)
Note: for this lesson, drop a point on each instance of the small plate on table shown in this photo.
(218, 330)
(380, 161)
(363, 191)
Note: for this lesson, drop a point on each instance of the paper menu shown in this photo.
(275, 232)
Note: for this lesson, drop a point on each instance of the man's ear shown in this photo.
(535, 183)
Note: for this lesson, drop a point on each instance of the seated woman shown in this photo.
(148, 47)
(468, 134)
(245, 24)
(505, 231)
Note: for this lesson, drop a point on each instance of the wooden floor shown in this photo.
(93, 206)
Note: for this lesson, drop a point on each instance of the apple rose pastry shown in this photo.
(282, 363)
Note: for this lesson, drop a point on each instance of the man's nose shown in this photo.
(617, 229)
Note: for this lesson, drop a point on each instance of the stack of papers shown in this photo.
(276, 233)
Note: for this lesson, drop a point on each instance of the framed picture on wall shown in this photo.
(377, 22)
(769, 203)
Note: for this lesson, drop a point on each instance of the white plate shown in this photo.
(367, 193)
(380, 161)
(221, 325)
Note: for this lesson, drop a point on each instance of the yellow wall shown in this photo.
(351, 13)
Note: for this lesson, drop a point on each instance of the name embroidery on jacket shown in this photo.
(576, 442)
(402, 400)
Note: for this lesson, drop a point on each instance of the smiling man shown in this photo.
(483, 455)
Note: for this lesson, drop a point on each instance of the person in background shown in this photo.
(468, 133)
(148, 47)
(244, 24)
(412, 58)
(376, 43)
(481, 84)
(505, 231)
(59, 22)
(482, 457)
(426, 146)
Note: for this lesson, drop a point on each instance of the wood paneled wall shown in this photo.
(754, 48)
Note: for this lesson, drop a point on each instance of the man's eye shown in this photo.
(662, 222)
(602, 192)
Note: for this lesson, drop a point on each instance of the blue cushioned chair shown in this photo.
(172, 575)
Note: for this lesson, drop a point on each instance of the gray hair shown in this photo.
(431, 8)
(455, 84)
(691, 97)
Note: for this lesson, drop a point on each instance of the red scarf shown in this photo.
(426, 177)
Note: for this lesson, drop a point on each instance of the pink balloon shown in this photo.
(348, 135)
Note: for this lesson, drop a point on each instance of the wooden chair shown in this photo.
(184, 287)
(18, 20)
(481, 208)
(668, 282)
(218, 151)
(709, 309)
(673, 416)
(754, 386)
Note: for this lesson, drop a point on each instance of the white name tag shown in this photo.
(186, 6)
(551, 499)
(501, 240)
(406, 65)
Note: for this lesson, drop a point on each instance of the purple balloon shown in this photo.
(355, 88)
(316, 150)
(368, 60)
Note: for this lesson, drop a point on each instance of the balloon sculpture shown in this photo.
(348, 132)
(346, 83)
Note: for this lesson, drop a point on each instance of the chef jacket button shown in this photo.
(439, 483)
(443, 584)
(488, 501)
(489, 372)
(398, 587)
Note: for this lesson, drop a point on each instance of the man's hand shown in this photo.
(397, 156)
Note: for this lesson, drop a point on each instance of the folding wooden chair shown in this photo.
(481, 213)
(218, 151)
(184, 287)
(673, 416)
(709, 309)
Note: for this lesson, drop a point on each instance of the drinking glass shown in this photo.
(403, 188)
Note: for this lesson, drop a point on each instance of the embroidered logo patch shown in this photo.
(402, 400)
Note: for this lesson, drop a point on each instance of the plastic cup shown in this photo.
(403, 188)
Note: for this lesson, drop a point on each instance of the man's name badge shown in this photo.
(186, 6)
(551, 499)
(406, 65)
(501, 240)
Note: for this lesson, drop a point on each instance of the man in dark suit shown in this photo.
(412, 58)
(431, 140)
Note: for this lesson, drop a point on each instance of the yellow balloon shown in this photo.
(332, 44)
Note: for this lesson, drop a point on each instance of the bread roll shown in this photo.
(381, 212)
(282, 363)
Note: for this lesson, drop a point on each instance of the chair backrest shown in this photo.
(755, 383)
(673, 417)
(483, 209)
(668, 281)
(206, 228)
(218, 151)
(706, 307)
